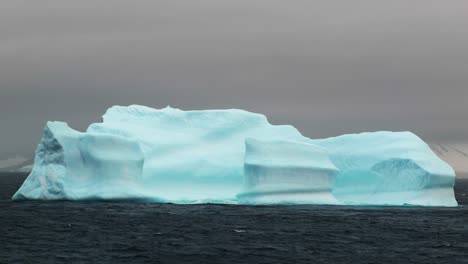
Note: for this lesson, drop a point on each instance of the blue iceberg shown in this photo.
(389, 168)
(287, 172)
(231, 156)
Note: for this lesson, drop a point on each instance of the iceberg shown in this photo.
(287, 172)
(231, 156)
(137, 152)
(389, 168)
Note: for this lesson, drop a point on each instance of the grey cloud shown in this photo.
(327, 67)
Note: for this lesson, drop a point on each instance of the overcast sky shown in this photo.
(327, 67)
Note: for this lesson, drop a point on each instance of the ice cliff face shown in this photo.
(287, 172)
(389, 168)
(142, 153)
(170, 155)
(77, 166)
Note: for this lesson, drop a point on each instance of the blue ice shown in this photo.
(231, 156)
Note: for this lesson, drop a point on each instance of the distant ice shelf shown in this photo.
(231, 156)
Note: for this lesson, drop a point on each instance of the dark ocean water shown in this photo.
(124, 232)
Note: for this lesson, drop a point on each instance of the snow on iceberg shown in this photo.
(170, 155)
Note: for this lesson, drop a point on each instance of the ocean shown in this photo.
(129, 232)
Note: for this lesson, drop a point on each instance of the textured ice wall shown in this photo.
(142, 153)
(379, 168)
(169, 155)
(75, 166)
(287, 172)
(389, 168)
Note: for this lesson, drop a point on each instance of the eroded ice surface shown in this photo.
(389, 168)
(287, 172)
(143, 153)
(170, 155)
